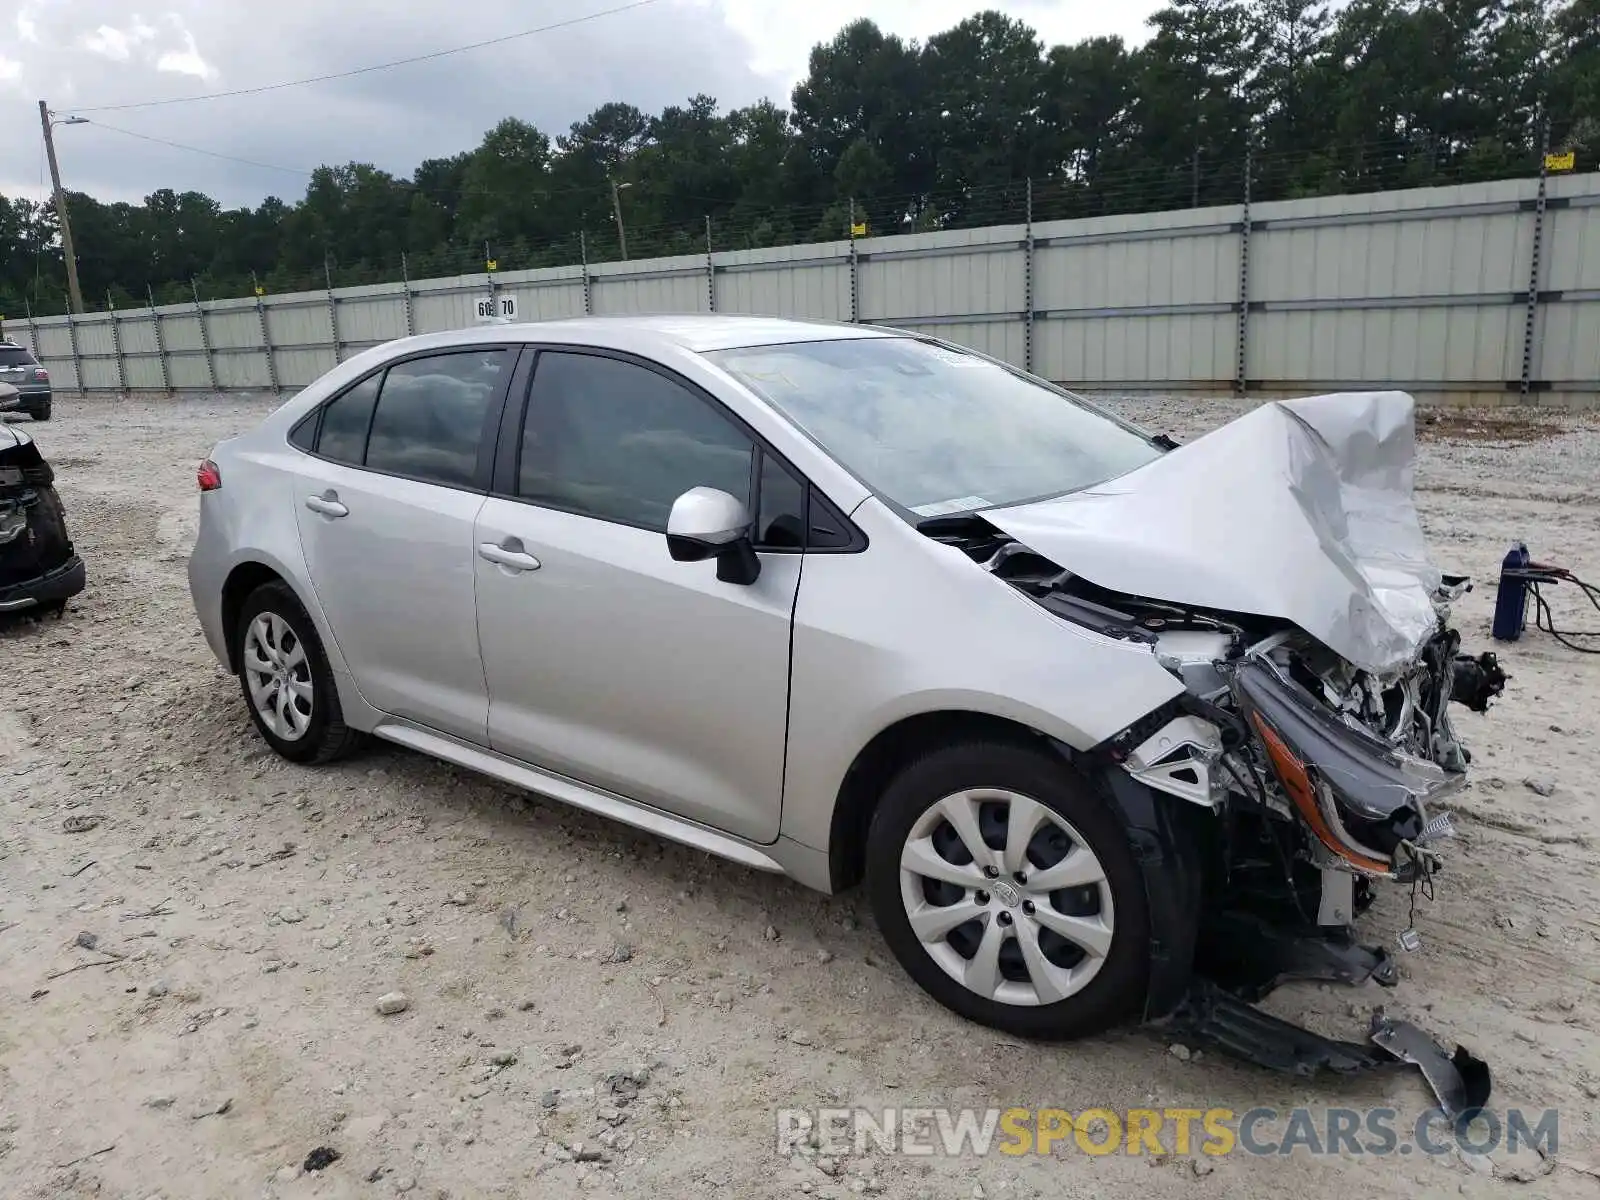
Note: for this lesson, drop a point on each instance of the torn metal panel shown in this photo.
(1461, 1080)
(1210, 1018)
(1299, 511)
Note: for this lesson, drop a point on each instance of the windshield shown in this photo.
(934, 430)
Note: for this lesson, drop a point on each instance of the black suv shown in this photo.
(21, 370)
(39, 568)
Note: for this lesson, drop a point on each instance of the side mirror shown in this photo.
(707, 523)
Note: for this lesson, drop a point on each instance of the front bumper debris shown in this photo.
(1212, 1018)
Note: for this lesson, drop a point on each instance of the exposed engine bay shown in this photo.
(1275, 568)
(1346, 764)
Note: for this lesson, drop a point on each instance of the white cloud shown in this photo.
(27, 31)
(188, 61)
(10, 70)
(109, 43)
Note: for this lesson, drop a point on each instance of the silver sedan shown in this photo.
(843, 603)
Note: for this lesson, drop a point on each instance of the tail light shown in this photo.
(208, 476)
(40, 373)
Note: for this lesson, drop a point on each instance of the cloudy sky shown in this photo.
(81, 55)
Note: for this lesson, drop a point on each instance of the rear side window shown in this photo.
(345, 423)
(430, 416)
(616, 441)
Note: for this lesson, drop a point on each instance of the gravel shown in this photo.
(409, 862)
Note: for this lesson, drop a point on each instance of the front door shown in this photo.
(606, 660)
(386, 504)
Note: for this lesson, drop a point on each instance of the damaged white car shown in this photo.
(1098, 718)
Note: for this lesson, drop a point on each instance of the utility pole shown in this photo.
(74, 295)
(616, 208)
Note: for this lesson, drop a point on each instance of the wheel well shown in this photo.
(242, 580)
(882, 759)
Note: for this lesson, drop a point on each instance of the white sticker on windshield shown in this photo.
(945, 507)
(955, 358)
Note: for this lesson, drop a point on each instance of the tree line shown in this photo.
(1288, 97)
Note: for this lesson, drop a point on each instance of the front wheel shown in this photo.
(288, 685)
(1009, 892)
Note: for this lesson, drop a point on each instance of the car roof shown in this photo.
(696, 332)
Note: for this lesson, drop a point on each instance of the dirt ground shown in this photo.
(592, 1011)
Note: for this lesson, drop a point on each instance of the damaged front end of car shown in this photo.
(39, 567)
(1277, 570)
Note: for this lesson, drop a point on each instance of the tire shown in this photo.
(41, 412)
(1083, 991)
(309, 726)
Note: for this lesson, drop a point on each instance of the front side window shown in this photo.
(934, 430)
(780, 508)
(611, 439)
(430, 416)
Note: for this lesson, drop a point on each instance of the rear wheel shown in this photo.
(1008, 891)
(41, 411)
(287, 683)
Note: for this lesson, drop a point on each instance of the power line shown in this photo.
(249, 162)
(399, 62)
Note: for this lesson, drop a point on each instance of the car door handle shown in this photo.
(504, 556)
(327, 505)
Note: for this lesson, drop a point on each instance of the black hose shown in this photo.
(1544, 619)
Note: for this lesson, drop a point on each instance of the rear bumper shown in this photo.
(64, 582)
(23, 401)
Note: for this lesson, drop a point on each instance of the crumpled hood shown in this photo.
(1300, 510)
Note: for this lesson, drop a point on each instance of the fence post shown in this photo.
(711, 271)
(405, 280)
(489, 268)
(583, 251)
(333, 319)
(77, 359)
(116, 346)
(1027, 287)
(33, 334)
(1530, 328)
(266, 336)
(205, 334)
(855, 280)
(161, 344)
(1241, 347)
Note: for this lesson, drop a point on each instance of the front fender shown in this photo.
(1165, 847)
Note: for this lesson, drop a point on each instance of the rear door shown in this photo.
(607, 661)
(395, 474)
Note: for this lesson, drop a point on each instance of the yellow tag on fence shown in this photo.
(1561, 162)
